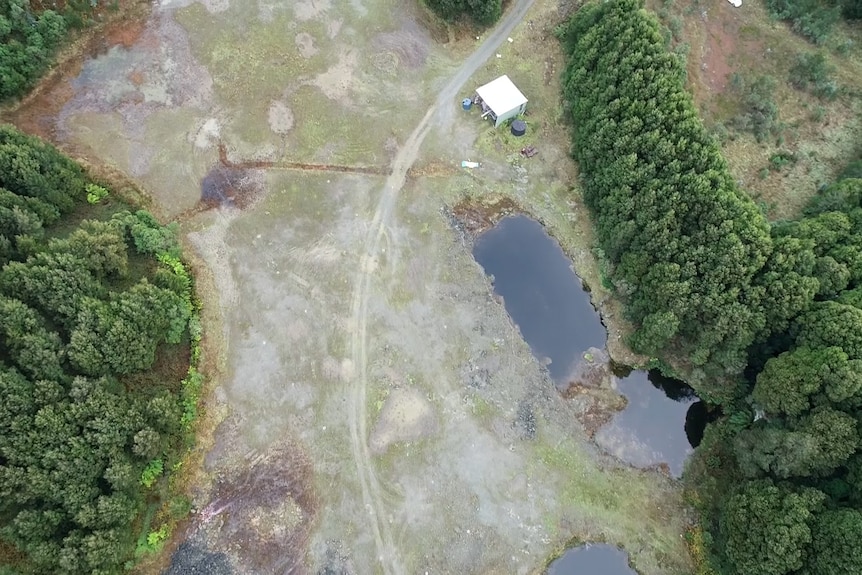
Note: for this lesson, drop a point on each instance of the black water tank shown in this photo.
(519, 127)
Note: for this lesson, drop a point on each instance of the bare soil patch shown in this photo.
(475, 216)
(305, 44)
(722, 42)
(265, 509)
(409, 44)
(226, 186)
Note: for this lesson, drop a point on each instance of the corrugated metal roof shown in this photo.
(501, 95)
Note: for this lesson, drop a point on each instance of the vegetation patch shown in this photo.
(93, 415)
(777, 477)
(685, 247)
(482, 12)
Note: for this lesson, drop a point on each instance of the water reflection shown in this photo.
(542, 294)
(547, 301)
(592, 560)
(649, 430)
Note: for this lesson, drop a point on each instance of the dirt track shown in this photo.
(383, 413)
(439, 115)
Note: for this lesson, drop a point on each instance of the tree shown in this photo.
(686, 246)
(832, 324)
(482, 12)
(789, 383)
(121, 336)
(767, 527)
(815, 446)
(54, 283)
(836, 547)
(36, 351)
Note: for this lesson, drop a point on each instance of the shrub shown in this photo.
(95, 193)
(813, 73)
(813, 19)
(152, 472)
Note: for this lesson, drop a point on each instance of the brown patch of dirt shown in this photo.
(267, 510)
(229, 186)
(721, 41)
(717, 44)
(474, 216)
(124, 34)
(302, 166)
(136, 77)
(409, 44)
(431, 170)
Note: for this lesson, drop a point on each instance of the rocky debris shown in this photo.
(593, 371)
(194, 559)
(525, 422)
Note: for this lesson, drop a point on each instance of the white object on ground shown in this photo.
(466, 164)
(510, 40)
(499, 56)
(736, 3)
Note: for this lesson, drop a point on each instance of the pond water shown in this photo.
(542, 294)
(548, 302)
(652, 429)
(592, 560)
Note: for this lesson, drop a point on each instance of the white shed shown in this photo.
(501, 100)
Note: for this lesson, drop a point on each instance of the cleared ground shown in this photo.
(383, 415)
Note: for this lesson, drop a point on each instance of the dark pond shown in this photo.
(542, 294)
(592, 560)
(547, 301)
(652, 428)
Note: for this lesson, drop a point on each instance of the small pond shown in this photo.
(548, 302)
(542, 294)
(598, 559)
(652, 428)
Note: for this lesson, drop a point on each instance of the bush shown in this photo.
(152, 472)
(759, 114)
(95, 194)
(812, 73)
(812, 19)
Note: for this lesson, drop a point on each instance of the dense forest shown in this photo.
(482, 12)
(27, 44)
(764, 319)
(96, 321)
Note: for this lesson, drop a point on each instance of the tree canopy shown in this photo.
(687, 248)
(763, 318)
(80, 313)
(482, 12)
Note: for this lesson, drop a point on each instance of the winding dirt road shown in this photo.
(439, 115)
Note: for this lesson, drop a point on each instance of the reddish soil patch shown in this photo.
(718, 32)
(229, 186)
(267, 509)
(302, 166)
(136, 77)
(124, 34)
(721, 42)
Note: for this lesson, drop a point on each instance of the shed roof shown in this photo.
(501, 95)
